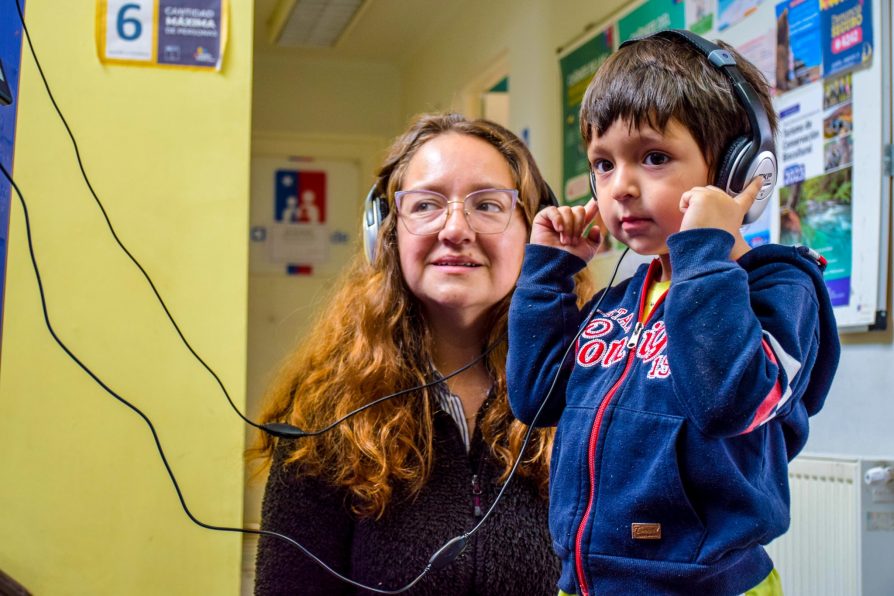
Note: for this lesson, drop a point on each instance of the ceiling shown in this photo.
(385, 30)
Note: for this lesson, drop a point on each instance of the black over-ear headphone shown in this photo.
(375, 210)
(745, 157)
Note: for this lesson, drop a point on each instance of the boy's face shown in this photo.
(640, 177)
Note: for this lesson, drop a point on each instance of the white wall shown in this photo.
(301, 96)
(528, 35)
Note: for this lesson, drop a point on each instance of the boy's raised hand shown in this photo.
(710, 207)
(563, 227)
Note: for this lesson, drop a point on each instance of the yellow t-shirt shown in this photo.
(655, 291)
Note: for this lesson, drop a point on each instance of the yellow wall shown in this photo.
(85, 504)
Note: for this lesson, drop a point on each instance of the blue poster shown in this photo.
(190, 33)
(10, 55)
(847, 34)
(799, 54)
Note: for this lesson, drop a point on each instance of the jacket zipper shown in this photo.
(476, 495)
(594, 432)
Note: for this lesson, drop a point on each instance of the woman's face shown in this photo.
(457, 271)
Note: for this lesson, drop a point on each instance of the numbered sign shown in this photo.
(167, 33)
(130, 30)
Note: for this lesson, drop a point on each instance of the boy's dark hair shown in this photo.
(656, 79)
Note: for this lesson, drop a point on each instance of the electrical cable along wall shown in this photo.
(88, 506)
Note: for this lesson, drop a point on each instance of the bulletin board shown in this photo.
(828, 62)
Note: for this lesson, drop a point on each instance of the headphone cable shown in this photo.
(155, 437)
(108, 221)
(454, 546)
(277, 429)
(441, 558)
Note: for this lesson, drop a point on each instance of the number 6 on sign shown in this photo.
(126, 30)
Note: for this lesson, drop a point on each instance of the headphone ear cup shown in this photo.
(375, 210)
(730, 169)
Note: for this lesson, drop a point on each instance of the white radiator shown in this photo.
(841, 540)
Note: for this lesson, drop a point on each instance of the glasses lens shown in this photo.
(425, 212)
(422, 212)
(489, 211)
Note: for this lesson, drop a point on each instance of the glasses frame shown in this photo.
(398, 195)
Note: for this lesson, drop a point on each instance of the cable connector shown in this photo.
(283, 430)
(447, 553)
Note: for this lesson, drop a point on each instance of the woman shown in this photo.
(378, 495)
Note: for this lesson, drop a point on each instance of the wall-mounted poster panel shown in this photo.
(295, 228)
(827, 70)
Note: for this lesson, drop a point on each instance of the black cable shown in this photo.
(112, 228)
(161, 453)
(290, 431)
(440, 559)
(277, 429)
(445, 555)
(459, 541)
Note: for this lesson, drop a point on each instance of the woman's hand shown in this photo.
(567, 228)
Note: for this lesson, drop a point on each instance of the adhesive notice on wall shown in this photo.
(165, 33)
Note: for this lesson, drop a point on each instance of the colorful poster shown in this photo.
(300, 197)
(815, 151)
(168, 33)
(846, 34)
(758, 232)
(761, 51)
(578, 68)
(298, 236)
(799, 54)
(700, 16)
(799, 145)
(817, 212)
(730, 12)
(652, 16)
(838, 122)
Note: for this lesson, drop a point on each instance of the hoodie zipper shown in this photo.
(597, 423)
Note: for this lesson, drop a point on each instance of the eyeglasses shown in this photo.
(425, 212)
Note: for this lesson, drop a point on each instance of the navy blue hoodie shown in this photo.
(669, 470)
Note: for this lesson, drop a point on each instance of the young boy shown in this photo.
(688, 391)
